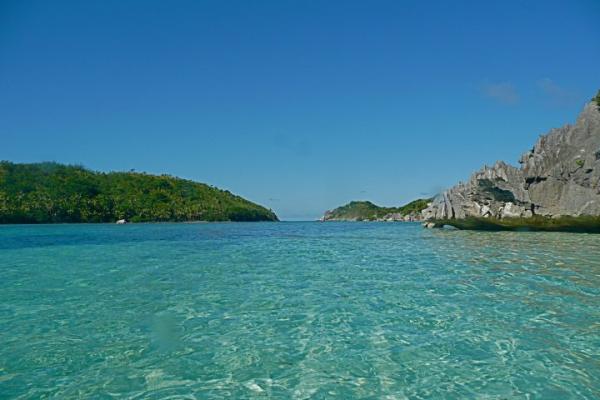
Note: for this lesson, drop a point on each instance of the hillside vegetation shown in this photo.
(53, 193)
(367, 211)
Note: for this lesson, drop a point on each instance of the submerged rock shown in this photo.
(559, 176)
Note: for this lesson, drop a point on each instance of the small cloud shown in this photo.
(556, 95)
(504, 92)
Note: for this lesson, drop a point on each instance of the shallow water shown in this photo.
(297, 310)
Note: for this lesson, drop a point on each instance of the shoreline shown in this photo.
(580, 224)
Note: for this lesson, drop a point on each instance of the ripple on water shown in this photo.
(297, 310)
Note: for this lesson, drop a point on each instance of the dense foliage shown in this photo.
(597, 99)
(367, 211)
(51, 192)
(584, 223)
(415, 206)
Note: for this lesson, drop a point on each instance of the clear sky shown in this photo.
(298, 105)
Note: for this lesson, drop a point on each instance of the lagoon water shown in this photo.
(297, 310)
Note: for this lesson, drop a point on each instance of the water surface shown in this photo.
(297, 310)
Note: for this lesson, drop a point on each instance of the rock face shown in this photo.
(394, 217)
(559, 176)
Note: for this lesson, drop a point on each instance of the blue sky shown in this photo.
(298, 105)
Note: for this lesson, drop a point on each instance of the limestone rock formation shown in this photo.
(559, 176)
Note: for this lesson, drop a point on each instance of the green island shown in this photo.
(367, 211)
(55, 193)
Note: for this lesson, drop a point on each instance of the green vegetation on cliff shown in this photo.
(367, 211)
(584, 223)
(53, 193)
(597, 99)
(415, 206)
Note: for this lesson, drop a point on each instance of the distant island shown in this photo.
(367, 211)
(55, 193)
(557, 187)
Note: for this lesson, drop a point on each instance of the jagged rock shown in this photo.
(559, 176)
(400, 217)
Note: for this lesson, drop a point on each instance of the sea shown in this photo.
(297, 310)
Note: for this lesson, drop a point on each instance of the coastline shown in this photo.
(580, 224)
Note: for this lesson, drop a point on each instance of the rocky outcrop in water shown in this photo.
(559, 176)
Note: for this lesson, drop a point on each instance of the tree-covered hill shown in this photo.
(367, 211)
(52, 193)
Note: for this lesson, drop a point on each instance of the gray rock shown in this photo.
(559, 176)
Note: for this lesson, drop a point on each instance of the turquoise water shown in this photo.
(298, 311)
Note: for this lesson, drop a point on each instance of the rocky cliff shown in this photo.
(560, 176)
